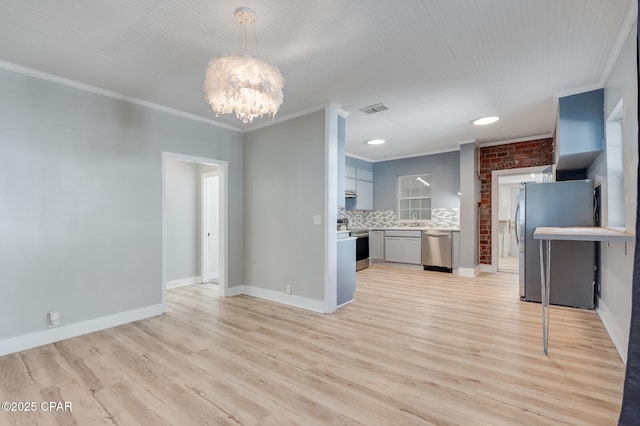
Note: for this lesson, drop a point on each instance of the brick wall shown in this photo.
(502, 157)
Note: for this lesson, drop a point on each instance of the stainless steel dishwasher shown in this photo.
(436, 250)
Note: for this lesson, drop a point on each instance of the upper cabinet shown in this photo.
(364, 189)
(365, 195)
(364, 175)
(580, 130)
(358, 184)
(350, 180)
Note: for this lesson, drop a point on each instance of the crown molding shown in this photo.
(402, 157)
(292, 116)
(359, 157)
(524, 139)
(19, 69)
(629, 19)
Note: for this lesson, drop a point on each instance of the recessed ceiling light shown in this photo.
(485, 120)
(375, 141)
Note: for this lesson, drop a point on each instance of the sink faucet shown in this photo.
(414, 217)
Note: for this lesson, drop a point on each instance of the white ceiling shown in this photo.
(438, 64)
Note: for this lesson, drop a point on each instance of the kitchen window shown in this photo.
(414, 197)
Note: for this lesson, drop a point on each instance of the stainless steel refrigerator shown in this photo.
(567, 203)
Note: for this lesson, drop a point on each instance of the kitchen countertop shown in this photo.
(566, 233)
(401, 228)
(591, 233)
(413, 228)
(344, 235)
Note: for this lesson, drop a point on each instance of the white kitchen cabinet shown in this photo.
(362, 174)
(364, 190)
(393, 249)
(402, 248)
(360, 183)
(376, 245)
(412, 250)
(350, 179)
(349, 184)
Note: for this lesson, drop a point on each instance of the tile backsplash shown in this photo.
(445, 218)
(440, 218)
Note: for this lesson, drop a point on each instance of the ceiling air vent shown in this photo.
(372, 109)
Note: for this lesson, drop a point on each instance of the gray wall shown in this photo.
(182, 208)
(284, 188)
(80, 201)
(469, 232)
(341, 160)
(614, 305)
(445, 179)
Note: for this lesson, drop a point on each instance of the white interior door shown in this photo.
(212, 225)
(514, 194)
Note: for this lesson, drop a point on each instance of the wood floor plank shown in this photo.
(415, 347)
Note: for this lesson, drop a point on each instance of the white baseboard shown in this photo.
(397, 264)
(469, 272)
(345, 303)
(276, 296)
(619, 337)
(184, 281)
(488, 268)
(40, 338)
(235, 290)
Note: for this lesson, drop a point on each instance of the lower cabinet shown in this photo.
(393, 249)
(376, 245)
(412, 250)
(403, 250)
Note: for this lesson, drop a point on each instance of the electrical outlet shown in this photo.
(317, 219)
(288, 290)
(53, 319)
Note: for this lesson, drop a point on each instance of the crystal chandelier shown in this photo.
(241, 84)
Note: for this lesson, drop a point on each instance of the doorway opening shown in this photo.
(505, 191)
(210, 236)
(508, 244)
(194, 222)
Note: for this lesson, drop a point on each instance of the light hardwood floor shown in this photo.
(415, 348)
(509, 264)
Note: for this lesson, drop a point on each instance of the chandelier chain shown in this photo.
(255, 36)
(243, 38)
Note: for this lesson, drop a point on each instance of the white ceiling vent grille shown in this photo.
(372, 109)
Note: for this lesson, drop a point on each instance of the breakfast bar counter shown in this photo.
(548, 234)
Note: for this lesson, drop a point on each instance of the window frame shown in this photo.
(424, 209)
